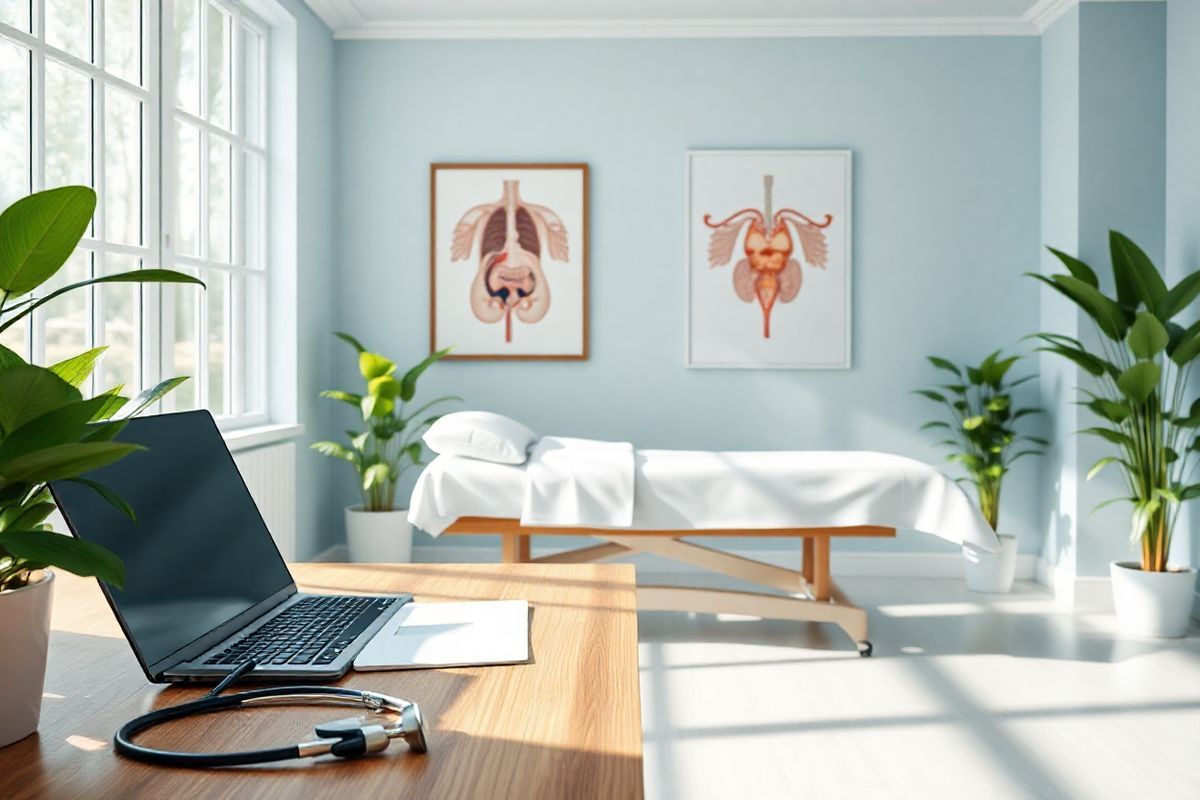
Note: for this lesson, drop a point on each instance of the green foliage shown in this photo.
(1140, 366)
(48, 430)
(980, 417)
(390, 443)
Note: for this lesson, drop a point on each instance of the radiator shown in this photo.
(270, 474)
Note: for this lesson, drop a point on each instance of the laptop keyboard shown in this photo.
(314, 630)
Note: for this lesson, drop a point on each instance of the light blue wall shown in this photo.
(945, 135)
(1060, 229)
(1183, 184)
(1103, 167)
(317, 522)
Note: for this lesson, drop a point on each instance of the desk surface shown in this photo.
(566, 725)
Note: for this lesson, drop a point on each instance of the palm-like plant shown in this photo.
(982, 425)
(391, 440)
(1141, 365)
(48, 430)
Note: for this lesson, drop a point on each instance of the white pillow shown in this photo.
(482, 435)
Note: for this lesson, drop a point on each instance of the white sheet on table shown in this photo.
(682, 490)
(582, 483)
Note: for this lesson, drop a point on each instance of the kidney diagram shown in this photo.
(768, 272)
(510, 235)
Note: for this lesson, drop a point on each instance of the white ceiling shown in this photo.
(409, 19)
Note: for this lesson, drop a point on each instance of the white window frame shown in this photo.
(240, 327)
(155, 334)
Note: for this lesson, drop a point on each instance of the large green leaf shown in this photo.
(28, 391)
(384, 386)
(1147, 336)
(65, 552)
(1133, 268)
(1180, 296)
(1093, 365)
(63, 461)
(345, 397)
(63, 425)
(1139, 381)
(350, 340)
(930, 394)
(334, 450)
(77, 369)
(9, 359)
(1102, 309)
(109, 496)
(408, 384)
(1116, 437)
(1188, 347)
(149, 397)
(374, 406)
(373, 365)
(1077, 268)
(942, 363)
(38, 233)
(375, 475)
(134, 276)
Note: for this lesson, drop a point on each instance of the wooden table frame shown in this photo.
(811, 595)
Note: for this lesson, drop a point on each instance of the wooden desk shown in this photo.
(567, 725)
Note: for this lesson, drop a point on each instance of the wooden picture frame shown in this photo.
(526, 297)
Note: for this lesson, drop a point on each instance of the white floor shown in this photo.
(967, 696)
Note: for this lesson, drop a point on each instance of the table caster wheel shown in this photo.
(865, 648)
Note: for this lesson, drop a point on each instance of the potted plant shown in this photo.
(48, 432)
(981, 425)
(390, 443)
(1141, 362)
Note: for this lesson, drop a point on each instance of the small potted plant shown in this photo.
(387, 446)
(48, 432)
(980, 422)
(1140, 396)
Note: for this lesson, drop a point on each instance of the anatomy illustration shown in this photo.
(510, 235)
(768, 271)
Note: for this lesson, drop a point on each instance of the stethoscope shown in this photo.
(345, 738)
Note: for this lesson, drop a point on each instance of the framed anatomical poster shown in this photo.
(508, 263)
(768, 259)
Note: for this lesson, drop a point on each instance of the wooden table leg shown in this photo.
(820, 580)
(806, 567)
(514, 548)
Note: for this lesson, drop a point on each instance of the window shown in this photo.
(170, 130)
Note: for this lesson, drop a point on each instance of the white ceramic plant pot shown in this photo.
(24, 635)
(379, 537)
(991, 572)
(1152, 603)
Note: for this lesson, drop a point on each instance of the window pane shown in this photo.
(219, 181)
(68, 126)
(187, 55)
(251, 214)
(123, 39)
(252, 344)
(14, 122)
(122, 167)
(16, 338)
(251, 87)
(120, 315)
(183, 303)
(187, 189)
(15, 13)
(218, 337)
(219, 67)
(69, 26)
(67, 320)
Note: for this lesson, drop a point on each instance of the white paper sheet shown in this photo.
(422, 635)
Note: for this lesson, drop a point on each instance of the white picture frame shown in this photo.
(724, 291)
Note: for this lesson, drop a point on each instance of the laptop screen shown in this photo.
(199, 553)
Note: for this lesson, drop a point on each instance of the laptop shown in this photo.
(205, 586)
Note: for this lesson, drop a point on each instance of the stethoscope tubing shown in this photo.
(124, 745)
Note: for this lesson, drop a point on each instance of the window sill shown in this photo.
(261, 435)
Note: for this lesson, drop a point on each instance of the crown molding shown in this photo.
(691, 29)
(347, 22)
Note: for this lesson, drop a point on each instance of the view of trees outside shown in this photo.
(93, 130)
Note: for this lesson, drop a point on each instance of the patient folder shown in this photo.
(422, 635)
